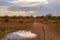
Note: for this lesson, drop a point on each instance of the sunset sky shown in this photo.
(29, 7)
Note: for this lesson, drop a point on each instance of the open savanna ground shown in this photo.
(46, 28)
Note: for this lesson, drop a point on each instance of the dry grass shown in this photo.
(35, 25)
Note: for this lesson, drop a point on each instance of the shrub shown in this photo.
(6, 20)
(20, 21)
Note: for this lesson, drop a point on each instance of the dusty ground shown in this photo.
(43, 31)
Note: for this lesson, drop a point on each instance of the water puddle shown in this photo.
(19, 35)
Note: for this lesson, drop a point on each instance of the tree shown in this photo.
(26, 17)
(13, 17)
(6, 16)
(49, 16)
(31, 16)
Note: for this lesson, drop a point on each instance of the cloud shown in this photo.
(3, 12)
(22, 13)
(31, 11)
(53, 7)
(29, 3)
(2, 3)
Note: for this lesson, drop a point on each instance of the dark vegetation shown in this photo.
(8, 23)
(22, 19)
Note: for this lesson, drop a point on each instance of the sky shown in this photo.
(29, 7)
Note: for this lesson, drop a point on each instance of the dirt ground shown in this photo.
(43, 31)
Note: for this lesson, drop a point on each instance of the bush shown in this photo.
(6, 20)
(21, 21)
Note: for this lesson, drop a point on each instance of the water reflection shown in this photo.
(19, 35)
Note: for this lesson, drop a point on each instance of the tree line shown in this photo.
(21, 19)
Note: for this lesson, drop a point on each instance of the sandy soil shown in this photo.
(43, 31)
